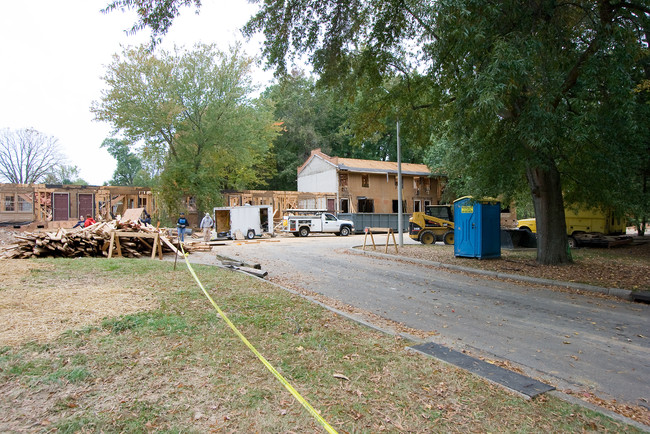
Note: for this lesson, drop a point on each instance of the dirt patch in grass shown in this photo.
(626, 267)
(34, 307)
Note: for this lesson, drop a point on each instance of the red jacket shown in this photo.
(89, 221)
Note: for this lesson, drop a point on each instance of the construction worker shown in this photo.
(181, 224)
(206, 225)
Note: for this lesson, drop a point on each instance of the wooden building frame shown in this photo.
(25, 204)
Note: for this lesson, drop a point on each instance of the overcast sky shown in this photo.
(53, 55)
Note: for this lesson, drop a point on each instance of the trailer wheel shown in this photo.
(427, 237)
(304, 231)
(573, 243)
(250, 234)
(448, 238)
(345, 231)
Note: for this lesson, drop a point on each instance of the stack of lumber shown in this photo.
(92, 241)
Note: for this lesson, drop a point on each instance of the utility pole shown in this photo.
(400, 211)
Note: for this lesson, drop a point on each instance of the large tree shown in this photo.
(27, 155)
(193, 112)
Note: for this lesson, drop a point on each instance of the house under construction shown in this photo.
(53, 205)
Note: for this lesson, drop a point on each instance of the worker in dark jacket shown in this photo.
(181, 224)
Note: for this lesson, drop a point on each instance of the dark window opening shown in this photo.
(396, 205)
(366, 205)
(345, 208)
(364, 181)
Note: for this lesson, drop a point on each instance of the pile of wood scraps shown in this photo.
(133, 240)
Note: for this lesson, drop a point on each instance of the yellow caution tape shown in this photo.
(277, 375)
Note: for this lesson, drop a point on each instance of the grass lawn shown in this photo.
(96, 345)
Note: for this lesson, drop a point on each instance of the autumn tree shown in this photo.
(27, 155)
(193, 112)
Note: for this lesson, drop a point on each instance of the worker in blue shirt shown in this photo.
(181, 224)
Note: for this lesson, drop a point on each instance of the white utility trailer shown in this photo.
(249, 220)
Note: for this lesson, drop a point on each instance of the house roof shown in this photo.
(367, 166)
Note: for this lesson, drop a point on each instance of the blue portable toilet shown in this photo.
(477, 228)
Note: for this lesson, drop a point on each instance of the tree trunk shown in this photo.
(546, 190)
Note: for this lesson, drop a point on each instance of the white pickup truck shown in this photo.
(302, 225)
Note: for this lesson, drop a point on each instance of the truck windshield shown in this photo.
(330, 217)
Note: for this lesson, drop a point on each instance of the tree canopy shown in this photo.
(129, 164)
(193, 113)
(64, 174)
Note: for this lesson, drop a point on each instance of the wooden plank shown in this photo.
(153, 249)
(169, 244)
(117, 245)
(110, 247)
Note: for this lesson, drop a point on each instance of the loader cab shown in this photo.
(444, 212)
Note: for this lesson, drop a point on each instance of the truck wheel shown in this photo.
(448, 238)
(250, 234)
(304, 232)
(345, 231)
(573, 243)
(428, 237)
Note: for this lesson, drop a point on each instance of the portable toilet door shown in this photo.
(477, 228)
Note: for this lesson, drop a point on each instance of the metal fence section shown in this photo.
(364, 220)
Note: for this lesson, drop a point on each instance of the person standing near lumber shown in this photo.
(80, 223)
(181, 224)
(206, 225)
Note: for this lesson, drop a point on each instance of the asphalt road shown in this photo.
(580, 342)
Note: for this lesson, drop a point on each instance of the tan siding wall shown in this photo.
(383, 191)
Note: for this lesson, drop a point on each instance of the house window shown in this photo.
(427, 203)
(364, 180)
(142, 202)
(343, 179)
(366, 205)
(416, 206)
(345, 205)
(396, 205)
(10, 205)
(25, 202)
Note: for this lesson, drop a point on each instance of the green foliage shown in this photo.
(158, 15)
(64, 174)
(129, 165)
(193, 112)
